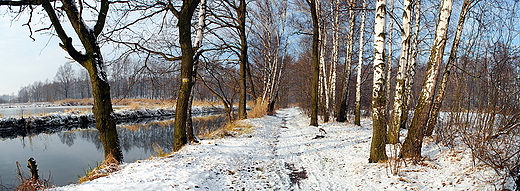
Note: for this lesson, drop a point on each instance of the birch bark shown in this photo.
(197, 44)
(343, 106)
(398, 111)
(413, 142)
(379, 114)
(434, 113)
(357, 111)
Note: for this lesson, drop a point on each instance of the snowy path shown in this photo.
(283, 154)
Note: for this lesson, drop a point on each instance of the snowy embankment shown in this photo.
(282, 153)
(75, 117)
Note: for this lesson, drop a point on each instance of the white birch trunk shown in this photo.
(343, 107)
(335, 54)
(413, 143)
(398, 111)
(390, 54)
(357, 112)
(200, 27)
(379, 114)
(434, 113)
(324, 84)
(410, 74)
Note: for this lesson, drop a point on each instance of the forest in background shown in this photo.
(400, 62)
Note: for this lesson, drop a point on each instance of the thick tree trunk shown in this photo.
(316, 64)
(398, 111)
(102, 110)
(241, 12)
(379, 114)
(343, 106)
(91, 60)
(181, 113)
(357, 111)
(432, 120)
(413, 142)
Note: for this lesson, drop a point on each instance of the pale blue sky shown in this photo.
(24, 61)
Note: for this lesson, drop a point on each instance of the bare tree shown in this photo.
(90, 58)
(316, 62)
(65, 77)
(184, 16)
(270, 42)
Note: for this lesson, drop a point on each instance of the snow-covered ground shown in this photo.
(283, 154)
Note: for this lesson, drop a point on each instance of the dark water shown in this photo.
(67, 154)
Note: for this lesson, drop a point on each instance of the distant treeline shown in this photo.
(125, 82)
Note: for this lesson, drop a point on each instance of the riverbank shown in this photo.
(83, 117)
(283, 152)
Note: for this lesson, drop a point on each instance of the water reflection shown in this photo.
(68, 152)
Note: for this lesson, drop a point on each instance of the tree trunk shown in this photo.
(92, 60)
(190, 136)
(379, 114)
(181, 111)
(241, 12)
(410, 74)
(324, 83)
(357, 111)
(343, 106)
(102, 110)
(335, 55)
(432, 120)
(390, 58)
(398, 111)
(316, 64)
(413, 142)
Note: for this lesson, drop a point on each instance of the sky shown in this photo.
(24, 61)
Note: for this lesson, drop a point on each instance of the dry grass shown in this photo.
(158, 151)
(232, 129)
(29, 184)
(259, 109)
(68, 101)
(109, 166)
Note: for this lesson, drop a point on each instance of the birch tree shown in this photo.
(413, 142)
(357, 111)
(410, 73)
(406, 38)
(343, 107)
(439, 97)
(335, 53)
(379, 114)
(324, 84)
(90, 57)
(270, 42)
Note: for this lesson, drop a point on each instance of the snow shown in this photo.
(283, 153)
